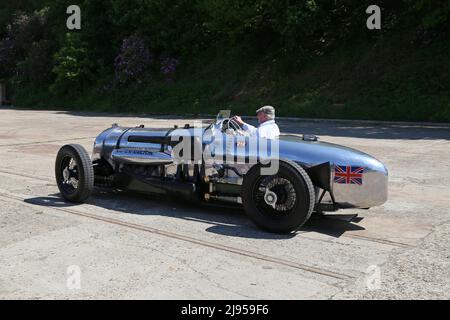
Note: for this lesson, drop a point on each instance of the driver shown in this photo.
(267, 127)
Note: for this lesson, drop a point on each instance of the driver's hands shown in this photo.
(238, 120)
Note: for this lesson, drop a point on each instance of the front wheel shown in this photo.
(74, 173)
(278, 203)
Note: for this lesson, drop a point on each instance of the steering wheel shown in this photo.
(229, 123)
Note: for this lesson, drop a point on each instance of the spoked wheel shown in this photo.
(279, 203)
(74, 173)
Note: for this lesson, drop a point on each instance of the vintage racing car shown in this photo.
(219, 162)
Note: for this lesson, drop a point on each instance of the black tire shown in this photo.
(291, 177)
(82, 172)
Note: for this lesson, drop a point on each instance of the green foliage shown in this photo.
(26, 29)
(35, 69)
(25, 53)
(435, 13)
(9, 8)
(310, 57)
(72, 66)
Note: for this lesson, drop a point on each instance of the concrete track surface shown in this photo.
(123, 246)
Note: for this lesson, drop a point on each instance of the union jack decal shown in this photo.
(348, 175)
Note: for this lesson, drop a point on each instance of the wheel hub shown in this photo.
(70, 174)
(270, 198)
(278, 193)
(66, 174)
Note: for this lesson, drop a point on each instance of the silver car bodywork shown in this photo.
(146, 146)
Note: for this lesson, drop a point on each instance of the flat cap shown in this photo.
(269, 110)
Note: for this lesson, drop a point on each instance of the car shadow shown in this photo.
(53, 200)
(227, 220)
(334, 225)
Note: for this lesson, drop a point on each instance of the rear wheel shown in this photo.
(74, 173)
(279, 203)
